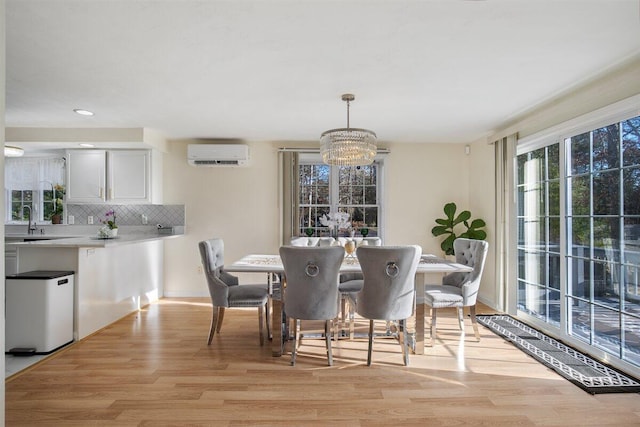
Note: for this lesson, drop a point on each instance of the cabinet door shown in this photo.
(129, 173)
(86, 176)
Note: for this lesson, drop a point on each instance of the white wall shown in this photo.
(618, 84)
(420, 179)
(238, 204)
(241, 204)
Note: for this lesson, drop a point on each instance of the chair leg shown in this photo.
(460, 313)
(296, 334)
(433, 326)
(474, 323)
(220, 318)
(214, 323)
(267, 316)
(327, 334)
(404, 342)
(261, 324)
(370, 342)
(352, 320)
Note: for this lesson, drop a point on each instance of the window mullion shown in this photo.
(334, 190)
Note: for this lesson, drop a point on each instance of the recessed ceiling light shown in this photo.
(83, 112)
(84, 144)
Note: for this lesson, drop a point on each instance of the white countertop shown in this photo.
(88, 241)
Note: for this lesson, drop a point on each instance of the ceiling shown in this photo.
(274, 70)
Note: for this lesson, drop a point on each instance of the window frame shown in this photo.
(334, 191)
(50, 171)
(560, 134)
(39, 199)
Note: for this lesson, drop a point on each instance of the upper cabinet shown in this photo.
(113, 176)
(129, 176)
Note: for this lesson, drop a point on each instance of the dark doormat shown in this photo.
(585, 372)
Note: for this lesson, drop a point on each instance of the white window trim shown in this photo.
(312, 157)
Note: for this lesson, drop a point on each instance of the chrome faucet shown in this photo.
(32, 225)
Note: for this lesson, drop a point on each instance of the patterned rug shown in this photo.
(585, 372)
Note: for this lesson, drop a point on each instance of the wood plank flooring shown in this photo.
(154, 368)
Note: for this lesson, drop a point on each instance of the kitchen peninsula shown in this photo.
(113, 277)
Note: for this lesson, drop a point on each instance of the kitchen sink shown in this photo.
(32, 237)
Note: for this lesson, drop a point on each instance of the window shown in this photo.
(29, 186)
(539, 233)
(19, 200)
(325, 189)
(579, 236)
(603, 232)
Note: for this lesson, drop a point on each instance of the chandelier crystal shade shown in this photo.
(348, 146)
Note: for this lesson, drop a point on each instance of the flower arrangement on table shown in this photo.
(109, 228)
(337, 221)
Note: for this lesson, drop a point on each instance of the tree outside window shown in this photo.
(325, 189)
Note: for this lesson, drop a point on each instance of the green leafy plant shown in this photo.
(447, 227)
(58, 196)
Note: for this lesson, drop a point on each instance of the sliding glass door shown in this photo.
(579, 237)
(539, 233)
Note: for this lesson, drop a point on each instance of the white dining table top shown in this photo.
(264, 263)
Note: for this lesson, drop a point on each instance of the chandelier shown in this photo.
(348, 146)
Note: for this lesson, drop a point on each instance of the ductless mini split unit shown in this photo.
(218, 154)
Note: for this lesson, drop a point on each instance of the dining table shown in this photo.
(273, 267)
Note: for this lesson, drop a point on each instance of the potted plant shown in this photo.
(109, 230)
(447, 226)
(58, 206)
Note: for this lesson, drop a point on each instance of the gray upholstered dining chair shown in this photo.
(226, 292)
(388, 289)
(311, 288)
(459, 289)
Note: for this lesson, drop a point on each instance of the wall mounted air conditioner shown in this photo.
(218, 154)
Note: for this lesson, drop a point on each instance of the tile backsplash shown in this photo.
(165, 215)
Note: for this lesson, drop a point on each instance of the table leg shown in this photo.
(277, 343)
(419, 315)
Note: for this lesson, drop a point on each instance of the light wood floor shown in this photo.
(154, 369)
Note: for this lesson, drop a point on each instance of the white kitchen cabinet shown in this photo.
(10, 260)
(86, 176)
(112, 176)
(128, 176)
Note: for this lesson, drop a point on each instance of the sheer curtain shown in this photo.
(33, 173)
(289, 195)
